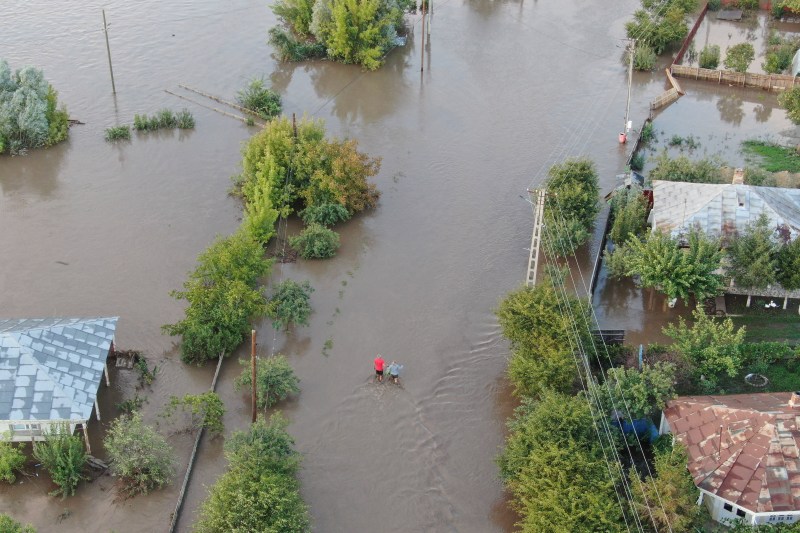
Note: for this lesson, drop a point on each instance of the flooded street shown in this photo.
(89, 228)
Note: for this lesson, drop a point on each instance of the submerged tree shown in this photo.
(571, 206)
(63, 456)
(629, 209)
(29, 112)
(275, 380)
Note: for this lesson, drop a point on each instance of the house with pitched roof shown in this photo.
(720, 210)
(743, 453)
(50, 371)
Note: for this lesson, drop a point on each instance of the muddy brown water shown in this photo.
(90, 228)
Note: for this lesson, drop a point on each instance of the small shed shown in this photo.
(50, 371)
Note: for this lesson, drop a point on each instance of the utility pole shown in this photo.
(422, 54)
(108, 49)
(430, 18)
(623, 137)
(536, 237)
(253, 372)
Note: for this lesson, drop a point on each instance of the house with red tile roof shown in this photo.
(743, 453)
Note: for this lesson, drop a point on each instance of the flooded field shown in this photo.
(89, 228)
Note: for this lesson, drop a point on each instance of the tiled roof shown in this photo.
(742, 447)
(720, 210)
(50, 368)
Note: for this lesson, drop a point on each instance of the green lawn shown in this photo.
(773, 157)
(773, 325)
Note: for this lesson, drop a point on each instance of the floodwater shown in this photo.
(89, 228)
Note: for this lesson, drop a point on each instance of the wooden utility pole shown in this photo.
(108, 49)
(623, 137)
(536, 237)
(294, 125)
(253, 372)
(422, 52)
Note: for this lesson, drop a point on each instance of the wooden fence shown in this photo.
(665, 98)
(769, 82)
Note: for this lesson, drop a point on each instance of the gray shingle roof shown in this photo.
(50, 368)
(720, 210)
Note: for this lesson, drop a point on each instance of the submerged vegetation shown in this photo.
(118, 133)
(773, 157)
(164, 119)
(30, 116)
(259, 99)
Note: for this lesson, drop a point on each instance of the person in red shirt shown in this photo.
(379, 367)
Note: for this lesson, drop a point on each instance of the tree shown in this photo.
(361, 31)
(739, 56)
(752, 256)
(11, 460)
(260, 491)
(29, 112)
(637, 393)
(571, 206)
(325, 214)
(140, 457)
(222, 297)
(658, 27)
(315, 242)
(205, 410)
(296, 13)
(629, 209)
(545, 329)
(290, 304)
(710, 346)
(787, 263)
(677, 272)
(63, 456)
(790, 100)
(669, 497)
(9, 525)
(275, 380)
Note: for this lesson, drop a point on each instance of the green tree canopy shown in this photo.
(259, 492)
(711, 346)
(678, 272)
(290, 303)
(571, 206)
(11, 461)
(29, 112)
(629, 209)
(669, 497)
(205, 410)
(752, 256)
(660, 24)
(790, 100)
(541, 324)
(684, 169)
(788, 265)
(640, 393)
(9, 525)
(275, 380)
(739, 56)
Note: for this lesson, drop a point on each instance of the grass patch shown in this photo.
(773, 157)
(768, 325)
(783, 375)
(164, 119)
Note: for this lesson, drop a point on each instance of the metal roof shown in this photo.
(742, 447)
(720, 210)
(50, 368)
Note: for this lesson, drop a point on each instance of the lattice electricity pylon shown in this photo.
(536, 237)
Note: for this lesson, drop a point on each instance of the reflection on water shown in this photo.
(730, 109)
(35, 174)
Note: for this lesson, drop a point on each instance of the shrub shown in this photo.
(659, 26)
(739, 56)
(290, 49)
(290, 304)
(572, 206)
(140, 457)
(684, 169)
(185, 119)
(629, 209)
(275, 380)
(167, 119)
(638, 393)
(9, 525)
(259, 492)
(644, 58)
(648, 132)
(714, 5)
(11, 460)
(29, 112)
(140, 122)
(747, 4)
(315, 242)
(260, 99)
(790, 100)
(117, 133)
(63, 456)
(205, 410)
(709, 56)
(788, 265)
(637, 161)
(325, 214)
(222, 298)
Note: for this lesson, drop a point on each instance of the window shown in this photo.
(728, 507)
(740, 512)
(26, 427)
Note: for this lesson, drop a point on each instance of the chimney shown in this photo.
(738, 176)
(794, 401)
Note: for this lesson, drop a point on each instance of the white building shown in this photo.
(50, 370)
(743, 453)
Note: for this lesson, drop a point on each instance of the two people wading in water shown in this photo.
(393, 370)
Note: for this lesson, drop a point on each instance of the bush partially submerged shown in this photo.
(315, 242)
(117, 133)
(290, 304)
(260, 99)
(11, 461)
(63, 456)
(275, 380)
(164, 119)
